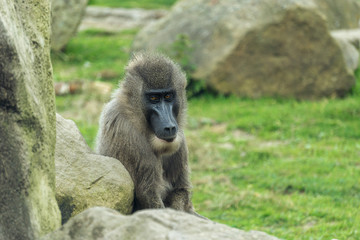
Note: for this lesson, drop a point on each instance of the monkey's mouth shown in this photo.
(165, 145)
(169, 140)
(166, 138)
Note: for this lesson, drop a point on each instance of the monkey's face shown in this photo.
(155, 85)
(162, 110)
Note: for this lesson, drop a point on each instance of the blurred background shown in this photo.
(274, 100)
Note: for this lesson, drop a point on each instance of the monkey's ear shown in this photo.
(135, 59)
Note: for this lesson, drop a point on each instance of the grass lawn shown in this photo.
(289, 168)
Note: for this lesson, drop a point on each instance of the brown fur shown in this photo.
(158, 168)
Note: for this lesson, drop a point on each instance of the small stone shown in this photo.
(85, 179)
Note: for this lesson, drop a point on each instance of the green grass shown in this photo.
(84, 110)
(92, 55)
(148, 4)
(297, 178)
(289, 168)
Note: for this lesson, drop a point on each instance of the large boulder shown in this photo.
(84, 179)
(340, 13)
(162, 224)
(28, 208)
(350, 53)
(349, 40)
(66, 17)
(350, 35)
(253, 49)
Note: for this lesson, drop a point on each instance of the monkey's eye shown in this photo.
(154, 98)
(168, 97)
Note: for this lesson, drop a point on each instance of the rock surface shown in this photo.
(340, 13)
(349, 40)
(28, 208)
(66, 17)
(254, 49)
(102, 223)
(350, 53)
(84, 179)
(350, 35)
(118, 19)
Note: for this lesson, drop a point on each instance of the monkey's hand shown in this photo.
(179, 199)
(147, 188)
(148, 199)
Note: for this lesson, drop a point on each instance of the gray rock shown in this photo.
(340, 14)
(349, 41)
(350, 53)
(349, 35)
(102, 223)
(84, 179)
(66, 17)
(258, 48)
(28, 208)
(118, 19)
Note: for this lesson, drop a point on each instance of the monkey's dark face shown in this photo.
(161, 113)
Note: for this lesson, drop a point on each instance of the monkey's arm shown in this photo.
(148, 185)
(145, 170)
(177, 173)
(118, 139)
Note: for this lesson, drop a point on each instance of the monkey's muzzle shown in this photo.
(163, 122)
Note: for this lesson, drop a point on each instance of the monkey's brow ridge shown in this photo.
(160, 91)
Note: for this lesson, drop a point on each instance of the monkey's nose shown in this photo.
(170, 133)
(170, 130)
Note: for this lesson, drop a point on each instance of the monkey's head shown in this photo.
(156, 85)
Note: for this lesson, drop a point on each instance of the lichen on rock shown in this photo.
(28, 208)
